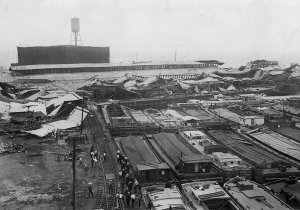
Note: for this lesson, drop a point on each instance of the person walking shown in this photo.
(96, 154)
(128, 198)
(110, 187)
(104, 157)
(121, 197)
(140, 199)
(132, 199)
(80, 162)
(92, 161)
(95, 161)
(92, 154)
(90, 190)
(149, 205)
(86, 169)
(118, 158)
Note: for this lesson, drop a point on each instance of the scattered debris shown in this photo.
(11, 148)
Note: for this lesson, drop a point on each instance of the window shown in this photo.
(162, 172)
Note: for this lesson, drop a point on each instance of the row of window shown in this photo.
(113, 68)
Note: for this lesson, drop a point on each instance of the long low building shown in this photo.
(241, 118)
(162, 119)
(291, 132)
(102, 67)
(231, 165)
(205, 118)
(148, 167)
(186, 162)
(141, 118)
(280, 143)
(266, 165)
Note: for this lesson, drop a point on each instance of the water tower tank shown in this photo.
(75, 26)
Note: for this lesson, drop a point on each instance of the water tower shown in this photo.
(75, 28)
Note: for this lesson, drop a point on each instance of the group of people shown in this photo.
(133, 196)
(132, 193)
(95, 155)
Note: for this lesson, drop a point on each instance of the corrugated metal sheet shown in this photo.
(228, 115)
(60, 100)
(139, 153)
(250, 153)
(4, 110)
(74, 120)
(29, 107)
(279, 142)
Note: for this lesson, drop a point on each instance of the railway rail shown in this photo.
(107, 171)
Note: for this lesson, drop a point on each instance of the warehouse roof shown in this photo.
(278, 142)
(229, 115)
(140, 154)
(162, 200)
(226, 157)
(249, 153)
(256, 197)
(177, 150)
(140, 116)
(197, 139)
(198, 113)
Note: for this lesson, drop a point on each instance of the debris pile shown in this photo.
(8, 148)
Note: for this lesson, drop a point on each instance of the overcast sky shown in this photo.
(232, 31)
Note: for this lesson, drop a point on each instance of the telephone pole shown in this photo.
(74, 157)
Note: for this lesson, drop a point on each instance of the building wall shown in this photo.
(252, 121)
(153, 175)
(190, 167)
(62, 55)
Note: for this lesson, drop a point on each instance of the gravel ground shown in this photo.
(36, 180)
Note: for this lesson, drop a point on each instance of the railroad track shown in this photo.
(105, 199)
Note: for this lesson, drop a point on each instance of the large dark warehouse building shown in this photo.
(74, 59)
(64, 54)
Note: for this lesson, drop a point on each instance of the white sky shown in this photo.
(233, 31)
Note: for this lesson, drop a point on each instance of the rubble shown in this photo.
(161, 103)
(9, 148)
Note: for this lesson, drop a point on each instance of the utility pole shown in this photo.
(283, 111)
(74, 159)
(81, 127)
(74, 172)
(175, 54)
